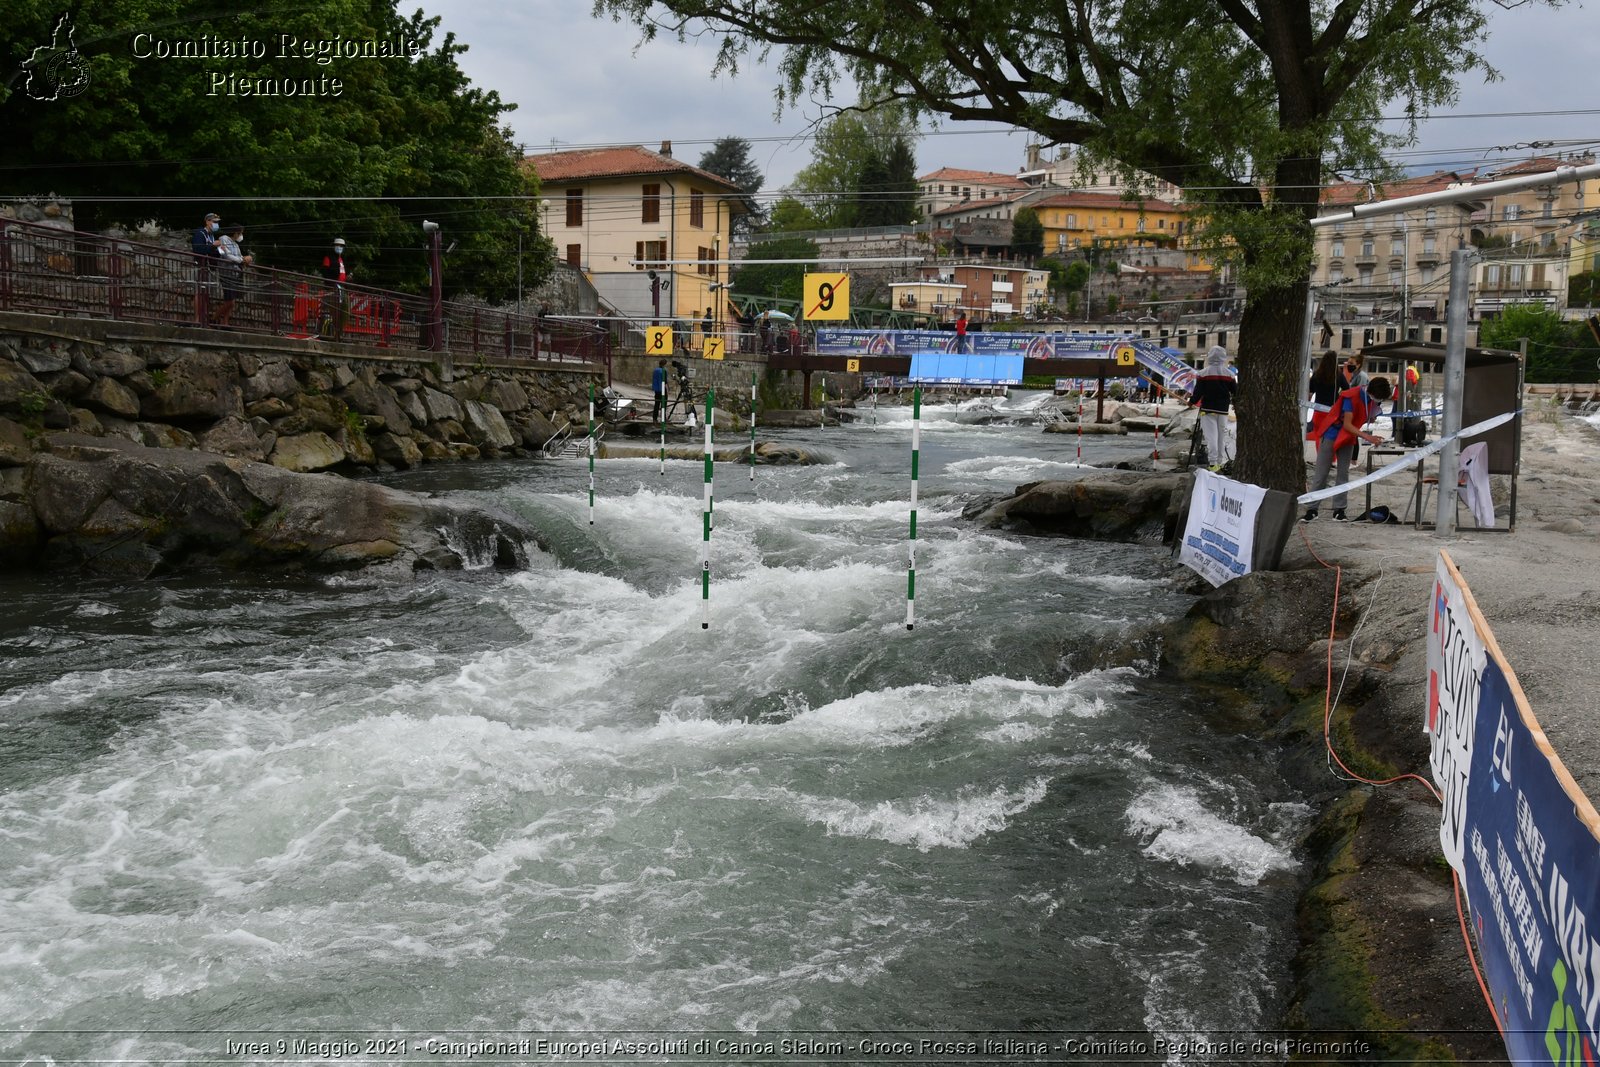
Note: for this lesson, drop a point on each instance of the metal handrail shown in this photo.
(56, 271)
(557, 442)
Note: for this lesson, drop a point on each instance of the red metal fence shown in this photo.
(56, 271)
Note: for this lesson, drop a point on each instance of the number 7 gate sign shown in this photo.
(827, 297)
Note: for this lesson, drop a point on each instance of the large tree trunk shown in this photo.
(1270, 430)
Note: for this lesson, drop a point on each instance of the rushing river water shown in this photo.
(269, 809)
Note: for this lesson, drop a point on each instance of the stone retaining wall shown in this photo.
(776, 389)
(300, 405)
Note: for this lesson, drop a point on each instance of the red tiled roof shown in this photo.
(984, 176)
(1106, 200)
(1348, 194)
(1538, 165)
(979, 205)
(623, 161)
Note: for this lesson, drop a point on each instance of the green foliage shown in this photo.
(33, 403)
(149, 130)
(1076, 276)
(355, 423)
(729, 157)
(851, 152)
(158, 378)
(790, 215)
(1112, 303)
(1027, 233)
(781, 281)
(1557, 351)
(1583, 290)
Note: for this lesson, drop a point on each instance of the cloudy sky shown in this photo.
(578, 80)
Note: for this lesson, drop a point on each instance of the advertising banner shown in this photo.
(1523, 837)
(955, 368)
(830, 342)
(1220, 536)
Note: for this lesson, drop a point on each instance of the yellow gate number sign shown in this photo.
(713, 349)
(658, 340)
(827, 297)
(1125, 356)
(852, 365)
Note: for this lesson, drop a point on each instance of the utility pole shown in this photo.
(435, 286)
(1455, 380)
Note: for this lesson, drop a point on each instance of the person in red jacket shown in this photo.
(1336, 432)
(961, 331)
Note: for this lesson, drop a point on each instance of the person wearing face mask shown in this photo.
(203, 243)
(233, 263)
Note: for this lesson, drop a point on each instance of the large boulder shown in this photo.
(112, 397)
(379, 400)
(439, 406)
(396, 450)
(313, 451)
(18, 388)
(486, 426)
(15, 448)
(196, 387)
(115, 362)
(505, 394)
(233, 436)
(52, 357)
(275, 379)
(1107, 506)
(110, 506)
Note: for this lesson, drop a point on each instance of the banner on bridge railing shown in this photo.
(1520, 833)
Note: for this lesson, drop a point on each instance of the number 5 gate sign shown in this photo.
(827, 297)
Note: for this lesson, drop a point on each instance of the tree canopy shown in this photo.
(399, 139)
(1246, 104)
(1027, 233)
(1557, 351)
(851, 170)
(781, 281)
(729, 157)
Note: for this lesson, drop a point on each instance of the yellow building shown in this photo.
(621, 214)
(1083, 220)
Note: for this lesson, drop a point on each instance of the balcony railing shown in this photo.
(66, 272)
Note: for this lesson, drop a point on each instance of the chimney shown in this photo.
(666, 149)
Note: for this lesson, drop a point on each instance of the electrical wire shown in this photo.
(1330, 699)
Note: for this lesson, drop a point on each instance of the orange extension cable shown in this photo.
(1327, 740)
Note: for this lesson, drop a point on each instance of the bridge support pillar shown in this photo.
(805, 387)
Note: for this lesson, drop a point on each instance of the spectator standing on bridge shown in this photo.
(333, 270)
(764, 328)
(794, 338)
(233, 263)
(961, 331)
(709, 324)
(1213, 393)
(203, 243)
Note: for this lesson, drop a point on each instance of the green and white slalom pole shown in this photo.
(911, 544)
(822, 420)
(752, 426)
(592, 449)
(705, 561)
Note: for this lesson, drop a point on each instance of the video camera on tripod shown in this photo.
(681, 371)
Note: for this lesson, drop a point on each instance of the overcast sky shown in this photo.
(578, 80)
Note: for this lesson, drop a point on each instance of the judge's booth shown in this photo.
(1493, 387)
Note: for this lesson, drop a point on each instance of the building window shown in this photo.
(697, 208)
(1337, 251)
(1427, 275)
(1510, 212)
(1141, 224)
(1368, 248)
(574, 207)
(1491, 275)
(646, 254)
(575, 255)
(1335, 276)
(1072, 221)
(1514, 274)
(1430, 245)
(1549, 209)
(705, 266)
(1161, 224)
(652, 203)
(1397, 248)
(1366, 275)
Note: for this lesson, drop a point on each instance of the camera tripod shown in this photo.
(686, 400)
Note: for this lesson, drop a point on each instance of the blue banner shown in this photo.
(959, 368)
(1521, 835)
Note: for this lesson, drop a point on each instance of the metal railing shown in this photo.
(66, 272)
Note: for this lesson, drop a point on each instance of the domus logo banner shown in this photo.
(1523, 837)
(1220, 536)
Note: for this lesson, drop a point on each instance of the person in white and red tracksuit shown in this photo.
(334, 270)
(1213, 393)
